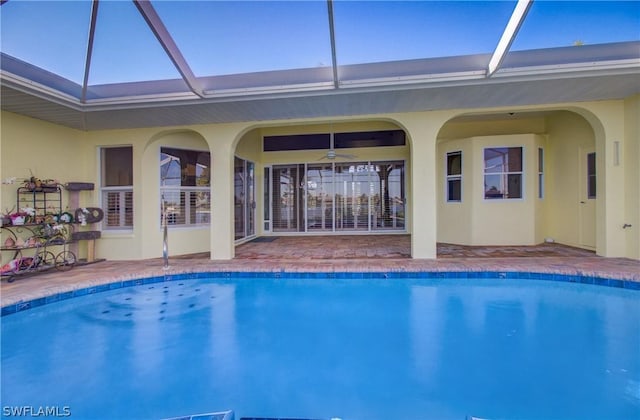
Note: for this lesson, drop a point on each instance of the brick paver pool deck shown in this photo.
(348, 253)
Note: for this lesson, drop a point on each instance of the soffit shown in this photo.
(484, 94)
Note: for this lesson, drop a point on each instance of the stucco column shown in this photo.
(221, 145)
(631, 157)
(422, 129)
(607, 120)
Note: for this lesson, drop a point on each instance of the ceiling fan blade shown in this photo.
(331, 155)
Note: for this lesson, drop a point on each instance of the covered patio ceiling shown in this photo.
(124, 64)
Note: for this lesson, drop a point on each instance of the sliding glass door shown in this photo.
(352, 196)
(244, 198)
(319, 188)
(388, 196)
(337, 197)
(288, 198)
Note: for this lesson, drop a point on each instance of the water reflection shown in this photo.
(518, 346)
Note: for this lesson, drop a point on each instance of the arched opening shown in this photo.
(321, 178)
(176, 175)
(517, 178)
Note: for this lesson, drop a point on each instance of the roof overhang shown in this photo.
(568, 74)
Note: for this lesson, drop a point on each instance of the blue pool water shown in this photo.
(357, 349)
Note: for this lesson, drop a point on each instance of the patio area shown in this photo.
(333, 254)
(391, 246)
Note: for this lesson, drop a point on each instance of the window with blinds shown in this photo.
(118, 205)
(185, 191)
(116, 165)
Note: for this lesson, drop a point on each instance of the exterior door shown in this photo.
(352, 196)
(288, 200)
(319, 188)
(588, 195)
(244, 199)
(387, 196)
(239, 198)
(250, 226)
(336, 197)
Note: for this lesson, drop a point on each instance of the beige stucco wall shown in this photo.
(567, 134)
(630, 158)
(71, 155)
(46, 151)
(454, 218)
(477, 221)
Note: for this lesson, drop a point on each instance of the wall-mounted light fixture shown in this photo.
(616, 153)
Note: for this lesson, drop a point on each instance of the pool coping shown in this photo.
(578, 277)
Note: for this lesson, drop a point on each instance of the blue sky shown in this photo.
(219, 37)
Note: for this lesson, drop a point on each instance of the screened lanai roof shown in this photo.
(93, 55)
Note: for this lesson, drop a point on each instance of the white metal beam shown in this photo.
(509, 34)
(164, 37)
(87, 63)
(332, 35)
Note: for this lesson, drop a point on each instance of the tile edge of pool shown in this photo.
(582, 278)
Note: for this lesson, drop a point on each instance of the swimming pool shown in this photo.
(322, 346)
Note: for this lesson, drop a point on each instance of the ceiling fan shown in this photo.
(331, 153)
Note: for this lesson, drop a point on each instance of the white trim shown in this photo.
(521, 173)
(448, 177)
(581, 68)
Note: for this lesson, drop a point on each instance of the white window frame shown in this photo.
(188, 191)
(592, 195)
(122, 213)
(449, 178)
(540, 172)
(186, 209)
(505, 175)
(122, 192)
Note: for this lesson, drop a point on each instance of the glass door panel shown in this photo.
(352, 196)
(244, 198)
(388, 196)
(319, 188)
(251, 200)
(266, 206)
(239, 198)
(287, 213)
(344, 196)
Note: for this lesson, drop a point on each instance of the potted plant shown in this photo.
(5, 218)
(24, 215)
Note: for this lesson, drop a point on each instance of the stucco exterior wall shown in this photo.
(46, 151)
(630, 157)
(479, 221)
(52, 151)
(454, 218)
(568, 133)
